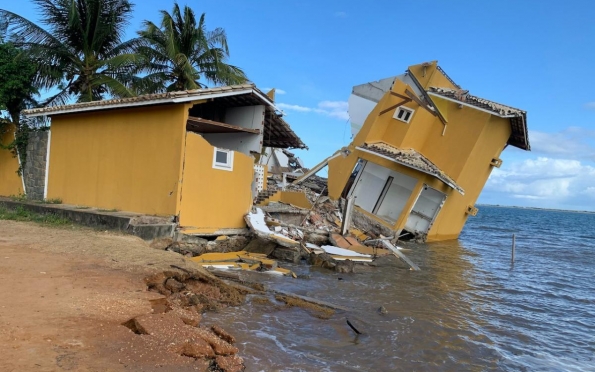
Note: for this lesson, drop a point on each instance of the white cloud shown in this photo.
(334, 109)
(552, 182)
(590, 105)
(286, 106)
(341, 14)
(570, 143)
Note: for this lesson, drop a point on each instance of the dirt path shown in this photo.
(64, 294)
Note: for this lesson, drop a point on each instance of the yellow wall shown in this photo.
(214, 199)
(296, 198)
(127, 159)
(10, 182)
(472, 138)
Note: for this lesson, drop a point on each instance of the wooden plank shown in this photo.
(394, 106)
(347, 213)
(399, 254)
(211, 126)
(420, 102)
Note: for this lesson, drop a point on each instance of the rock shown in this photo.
(382, 310)
(258, 245)
(192, 318)
(288, 254)
(197, 348)
(226, 244)
(323, 260)
(223, 335)
(161, 244)
(173, 285)
(345, 266)
(230, 363)
(315, 238)
(220, 346)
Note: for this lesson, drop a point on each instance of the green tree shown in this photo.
(17, 90)
(81, 52)
(181, 53)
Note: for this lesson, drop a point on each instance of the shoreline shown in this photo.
(536, 208)
(90, 301)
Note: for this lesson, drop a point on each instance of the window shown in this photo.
(404, 114)
(223, 159)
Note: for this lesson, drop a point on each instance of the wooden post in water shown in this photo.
(513, 246)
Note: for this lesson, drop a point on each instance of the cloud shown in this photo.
(277, 90)
(570, 143)
(551, 182)
(334, 109)
(590, 105)
(340, 14)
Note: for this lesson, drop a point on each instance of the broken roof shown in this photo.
(277, 132)
(411, 159)
(518, 118)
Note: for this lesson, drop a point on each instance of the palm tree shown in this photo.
(181, 52)
(81, 52)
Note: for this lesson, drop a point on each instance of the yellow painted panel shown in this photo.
(127, 159)
(214, 199)
(296, 198)
(10, 182)
(489, 144)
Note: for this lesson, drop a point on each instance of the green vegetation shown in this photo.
(18, 198)
(108, 210)
(21, 214)
(79, 51)
(180, 51)
(17, 89)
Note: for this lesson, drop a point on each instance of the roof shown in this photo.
(411, 159)
(518, 118)
(277, 133)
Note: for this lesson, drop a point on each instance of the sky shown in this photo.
(533, 55)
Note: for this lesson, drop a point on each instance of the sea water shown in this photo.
(468, 309)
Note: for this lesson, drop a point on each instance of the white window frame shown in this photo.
(228, 166)
(404, 108)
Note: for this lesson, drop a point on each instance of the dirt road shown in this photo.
(64, 294)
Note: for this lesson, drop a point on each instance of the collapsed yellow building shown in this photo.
(422, 152)
(190, 154)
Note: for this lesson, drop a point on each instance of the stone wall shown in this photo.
(34, 174)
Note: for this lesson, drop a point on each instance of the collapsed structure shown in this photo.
(422, 151)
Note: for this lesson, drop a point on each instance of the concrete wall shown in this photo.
(128, 159)
(213, 199)
(10, 182)
(34, 172)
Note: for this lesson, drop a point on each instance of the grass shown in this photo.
(108, 210)
(18, 198)
(81, 207)
(21, 214)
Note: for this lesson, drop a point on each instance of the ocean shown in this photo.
(468, 309)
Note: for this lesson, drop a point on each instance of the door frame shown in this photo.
(425, 187)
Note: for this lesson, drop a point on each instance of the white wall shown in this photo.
(370, 185)
(249, 117)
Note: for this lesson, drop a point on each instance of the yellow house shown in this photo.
(191, 154)
(422, 151)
